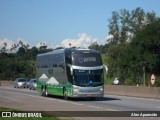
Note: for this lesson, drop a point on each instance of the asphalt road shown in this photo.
(30, 100)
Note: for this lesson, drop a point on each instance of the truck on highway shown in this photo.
(70, 72)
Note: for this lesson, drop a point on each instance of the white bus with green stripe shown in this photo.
(70, 73)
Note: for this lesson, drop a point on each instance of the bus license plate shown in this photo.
(89, 95)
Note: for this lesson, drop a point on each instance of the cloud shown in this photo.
(22, 40)
(39, 44)
(83, 41)
(8, 41)
(109, 38)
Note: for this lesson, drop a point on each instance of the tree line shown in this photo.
(131, 51)
(20, 63)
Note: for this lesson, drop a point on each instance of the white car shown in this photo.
(20, 82)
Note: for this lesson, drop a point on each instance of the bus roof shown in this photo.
(57, 51)
(79, 50)
(73, 50)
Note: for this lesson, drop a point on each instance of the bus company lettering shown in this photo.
(88, 59)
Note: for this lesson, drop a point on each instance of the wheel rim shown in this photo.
(46, 93)
(42, 92)
(65, 95)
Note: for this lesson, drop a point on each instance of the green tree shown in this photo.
(21, 63)
(137, 20)
(32, 53)
(114, 28)
(124, 23)
(144, 51)
(21, 51)
(94, 45)
(147, 43)
(4, 48)
(123, 27)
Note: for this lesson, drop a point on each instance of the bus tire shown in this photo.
(42, 91)
(65, 94)
(46, 92)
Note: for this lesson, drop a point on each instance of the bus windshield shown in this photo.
(88, 78)
(86, 59)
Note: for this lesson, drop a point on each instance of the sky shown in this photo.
(60, 22)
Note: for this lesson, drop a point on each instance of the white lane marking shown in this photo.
(95, 107)
(66, 102)
(102, 108)
(77, 103)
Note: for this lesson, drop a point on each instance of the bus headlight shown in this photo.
(101, 89)
(75, 91)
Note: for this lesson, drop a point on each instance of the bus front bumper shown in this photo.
(88, 91)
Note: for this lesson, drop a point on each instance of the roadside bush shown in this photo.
(129, 82)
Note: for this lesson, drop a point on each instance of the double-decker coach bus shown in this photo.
(70, 73)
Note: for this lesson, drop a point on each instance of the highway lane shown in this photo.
(30, 100)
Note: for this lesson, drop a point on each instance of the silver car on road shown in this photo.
(32, 84)
(20, 82)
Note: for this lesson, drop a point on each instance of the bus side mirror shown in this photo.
(106, 68)
(71, 69)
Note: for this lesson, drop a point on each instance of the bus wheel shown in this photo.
(65, 94)
(45, 92)
(42, 90)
